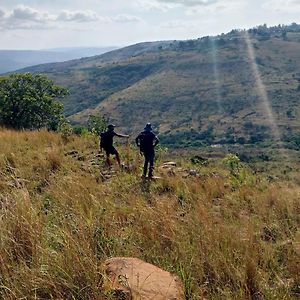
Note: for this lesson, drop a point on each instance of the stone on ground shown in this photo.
(169, 164)
(140, 280)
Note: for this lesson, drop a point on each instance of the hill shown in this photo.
(11, 60)
(228, 230)
(242, 87)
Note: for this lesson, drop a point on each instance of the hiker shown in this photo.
(147, 141)
(106, 143)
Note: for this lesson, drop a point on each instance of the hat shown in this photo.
(111, 126)
(148, 126)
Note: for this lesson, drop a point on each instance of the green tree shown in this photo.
(30, 101)
(97, 124)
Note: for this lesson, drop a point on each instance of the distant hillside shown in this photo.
(241, 87)
(11, 60)
(81, 76)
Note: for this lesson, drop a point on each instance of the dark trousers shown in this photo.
(149, 160)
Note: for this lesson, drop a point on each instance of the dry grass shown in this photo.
(226, 238)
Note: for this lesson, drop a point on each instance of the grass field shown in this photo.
(229, 230)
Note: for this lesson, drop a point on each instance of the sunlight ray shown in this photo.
(261, 89)
(214, 53)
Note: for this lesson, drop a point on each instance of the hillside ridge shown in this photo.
(196, 92)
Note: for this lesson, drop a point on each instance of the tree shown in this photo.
(97, 124)
(28, 101)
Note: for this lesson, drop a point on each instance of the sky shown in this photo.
(43, 24)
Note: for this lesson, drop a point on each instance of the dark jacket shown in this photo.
(146, 140)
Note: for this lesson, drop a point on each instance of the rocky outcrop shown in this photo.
(139, 280)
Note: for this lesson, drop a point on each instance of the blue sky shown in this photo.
(39, 24)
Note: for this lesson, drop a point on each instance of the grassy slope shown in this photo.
(181, 89)
(185, 93)
(228, 235)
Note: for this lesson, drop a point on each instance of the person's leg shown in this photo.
(145, 165)
(151, 161)
(107, 159)
(114, 151)
(118, 158)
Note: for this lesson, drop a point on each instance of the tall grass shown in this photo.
(226, 239)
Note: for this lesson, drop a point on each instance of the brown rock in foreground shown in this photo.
(142, 281)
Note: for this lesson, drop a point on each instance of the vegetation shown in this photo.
(196, 92)
(97, 124)
(225, 220)
(230, 230)
(28, 101)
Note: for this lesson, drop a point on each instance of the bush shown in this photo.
(80, 130)
(97, 124)
(28, 101)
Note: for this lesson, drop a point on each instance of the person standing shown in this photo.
(106, 143)
(147, 141)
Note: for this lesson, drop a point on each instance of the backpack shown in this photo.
(146, 141)
(104, 142)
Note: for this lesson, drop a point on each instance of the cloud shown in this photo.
(177, 24)
(166, 5)
(77, 16)
(90, 16)
(25, 17)
(153, 5)
(126, 19)
(221, 6)
(189, 3)
(282, 6)
(2, 13)
(27, 13)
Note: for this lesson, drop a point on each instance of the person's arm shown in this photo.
(156, 141)
(121, 135)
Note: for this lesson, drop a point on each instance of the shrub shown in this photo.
(29, 101)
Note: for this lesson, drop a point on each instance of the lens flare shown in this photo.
(214, 53)
(261, 89)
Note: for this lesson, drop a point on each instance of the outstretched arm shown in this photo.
(156, 141)
(121, 135)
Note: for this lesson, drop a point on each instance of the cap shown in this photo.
(111, 126)
(148, 126)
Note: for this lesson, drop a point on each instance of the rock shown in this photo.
(171, 172)
(166, 167)
(142, 280)
(169, 164)
(193, 172)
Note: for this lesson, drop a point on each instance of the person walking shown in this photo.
(106, 143)
(147, 141)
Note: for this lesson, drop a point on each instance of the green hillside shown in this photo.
(242, 87)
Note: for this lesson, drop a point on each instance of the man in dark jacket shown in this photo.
(106, 143)
(147, 141)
